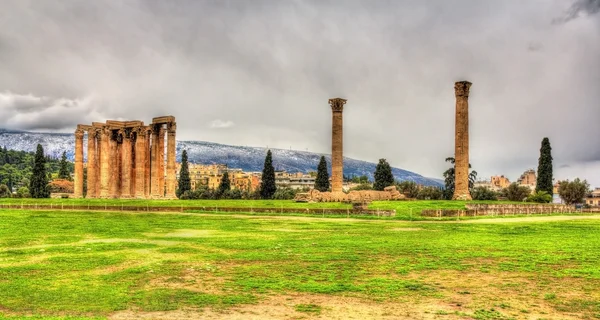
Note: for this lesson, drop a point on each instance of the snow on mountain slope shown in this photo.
(246, 158)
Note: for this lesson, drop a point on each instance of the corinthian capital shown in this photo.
(461, 88)
(337, 104)
(79, 133)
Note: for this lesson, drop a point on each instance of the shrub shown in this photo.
(408, 188)
(540, 197)
(23, 192)
(284, 194)
(514, 192)
(4, 191)
(483, 193)
(430, 193)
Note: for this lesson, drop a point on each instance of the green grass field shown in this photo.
(88, 265)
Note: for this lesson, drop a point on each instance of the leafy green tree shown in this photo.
(383, 175)
(360, 179)
(408, 188)
(38, 186)
(540, 197)
(515, 192)
(322, 181)
(449, 179)
(483, 193)
(63, 172)
(267, 185)
(574, 191)
(544, 173)
(225, 184)
(184, 183)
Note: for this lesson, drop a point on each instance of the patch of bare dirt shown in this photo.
(406, 229)
(191, 278)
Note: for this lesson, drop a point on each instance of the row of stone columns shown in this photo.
(126, 161)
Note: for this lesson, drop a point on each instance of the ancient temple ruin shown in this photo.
(126, 159)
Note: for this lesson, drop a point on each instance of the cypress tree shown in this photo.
(267, 185)
(383, 175)
(322, 180)
(38, 185)
(544, 173)
(63, 173)
(225, 184)
(185, 183)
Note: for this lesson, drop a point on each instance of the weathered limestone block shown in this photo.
(355, 196)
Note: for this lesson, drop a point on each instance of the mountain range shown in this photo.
(249, 159)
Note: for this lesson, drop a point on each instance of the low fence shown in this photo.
(474, 210)
(309, 211)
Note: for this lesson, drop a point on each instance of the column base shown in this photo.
(462, 197)
(171, 197)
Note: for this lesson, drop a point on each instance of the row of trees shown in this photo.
(267, 190)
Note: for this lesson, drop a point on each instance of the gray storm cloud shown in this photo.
(269, 67)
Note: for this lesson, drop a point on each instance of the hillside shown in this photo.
(246, 158)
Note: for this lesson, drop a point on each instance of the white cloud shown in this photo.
(220, 124)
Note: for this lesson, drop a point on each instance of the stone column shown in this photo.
(337, 145)
(104, 163)
(78, 179)
(126, 165)
(140, 163)
(154, 163)
(91, 164)
(148, 181)
(113, 184)
(171, 168)
(161, 162)
(461, 146)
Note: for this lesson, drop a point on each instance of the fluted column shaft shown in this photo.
(78, 179)
(337, 144)
(113, 184)
(171, 168)
(140, 165)
(161, 162)
(154, 163)
(91, 165)
(148, 181)
(104, 163)
(461, 146)
(126, 166)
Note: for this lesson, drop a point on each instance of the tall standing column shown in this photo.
(154, 163)
(114, 170)
(161, 162)
(91, 164)
(171, 168)
(140, 165)
(461, 147)
(337, 145)
(126, 165)
(148, 183)
(104, 164)
(78, 187)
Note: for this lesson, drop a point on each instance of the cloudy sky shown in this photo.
(259, 73)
